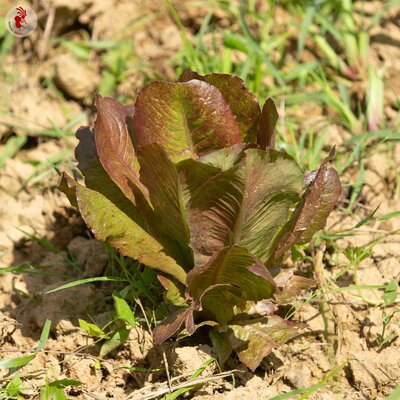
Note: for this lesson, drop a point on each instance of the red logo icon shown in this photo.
(20, 18)
(21, 21)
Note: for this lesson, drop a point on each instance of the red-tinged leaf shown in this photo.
(173, 323)
(160, 176)
(186, 118)
(114, 146)
(243, 103)
(220, 303)
(261, 308)
(254, 339)
(233, 266)
(251, 345)
(96, 178)
(268, 120)
(290, 286)
(174, 291)
(312, 212)
(245, 205)
(214, 208)
(114, 226)
(68, 190)
(329, 198)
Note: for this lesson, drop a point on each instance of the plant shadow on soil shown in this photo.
(71, 254)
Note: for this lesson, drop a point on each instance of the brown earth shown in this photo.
(344, 329)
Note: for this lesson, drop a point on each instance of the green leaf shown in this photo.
(112, 225)
(254, 339)
(243, 104)
(55, 390)
(226, 158)
(268, 119)
(44, 336)
(14, 387)
(221, 345)
(232, 266)
(160, 177)
(51, 393)
(312, 212)
(390, 294)
(193, 174)
(67, 190)
(174, 291)
(245, 205)
(273, 182)
(91, 329)
(186, 118)
(62, 383)
(117, 338)
(123, 311)
(17, 362)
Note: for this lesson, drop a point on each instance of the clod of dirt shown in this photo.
(75, 79)
(185, 360)
(110, 20)
(313, 318)
(84, 370)
(7, 327)
(36, 112)
(389, 248)
(381, 164)
(299, 376)
(390, 267)
(376, 372)
(255, 389)
(140, 342)
(90, 255)
(13, 175)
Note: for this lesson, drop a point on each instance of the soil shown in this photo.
(344, 331)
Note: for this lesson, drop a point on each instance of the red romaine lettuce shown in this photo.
(187, 181)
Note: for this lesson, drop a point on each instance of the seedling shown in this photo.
(187, 181)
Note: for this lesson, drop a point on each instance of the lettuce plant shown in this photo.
(187, 181)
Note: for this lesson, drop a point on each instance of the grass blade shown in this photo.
(305, 28)
(11, 148)
(88, 280)
(24, 360)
